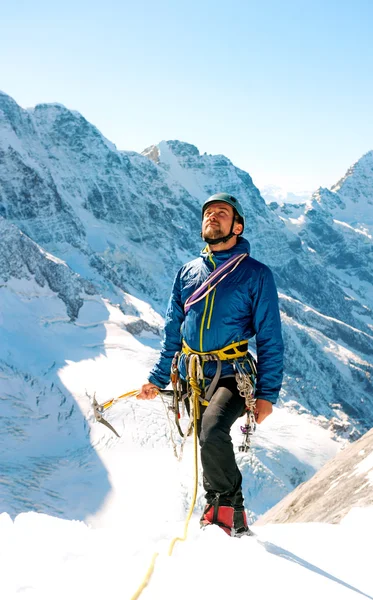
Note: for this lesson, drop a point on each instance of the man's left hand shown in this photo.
(262, 409)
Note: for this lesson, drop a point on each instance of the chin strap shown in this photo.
(222, 240)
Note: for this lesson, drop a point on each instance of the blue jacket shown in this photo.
(244, 304)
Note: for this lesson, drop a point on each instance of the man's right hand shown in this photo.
(148, 391)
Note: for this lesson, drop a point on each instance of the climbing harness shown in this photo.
(232, 351)
(245, 369)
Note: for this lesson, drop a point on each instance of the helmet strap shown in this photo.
(222, 240)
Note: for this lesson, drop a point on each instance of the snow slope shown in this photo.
(143, 502)
(45, 557)
(49, 434)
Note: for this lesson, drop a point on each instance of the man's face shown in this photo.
(217, 220)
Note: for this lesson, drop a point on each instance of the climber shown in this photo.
(239, 304)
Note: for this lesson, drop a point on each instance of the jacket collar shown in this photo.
(243, 245)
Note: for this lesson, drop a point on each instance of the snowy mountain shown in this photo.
(23, 259)
(72, 192)
(337, 227)
(355, 191)
(91, 239)
(105, 212)
(344, 483)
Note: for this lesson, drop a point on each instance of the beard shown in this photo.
(212, 232)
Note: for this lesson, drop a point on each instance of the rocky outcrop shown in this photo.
(345, 482)
(21, 258)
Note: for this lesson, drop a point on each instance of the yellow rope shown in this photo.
(195, 401)
(146, 578)
(196, 414)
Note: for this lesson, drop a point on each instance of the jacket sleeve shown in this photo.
(269, 344)
(172, 341)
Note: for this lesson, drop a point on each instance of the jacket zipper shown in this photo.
(205, 310)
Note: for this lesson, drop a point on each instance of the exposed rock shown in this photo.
(343, 483)
(152, 153)
(21, 258)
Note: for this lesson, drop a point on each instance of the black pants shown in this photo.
(220, 472)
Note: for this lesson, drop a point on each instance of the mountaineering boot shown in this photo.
(218, 515)
(232, 521)
(240, 527)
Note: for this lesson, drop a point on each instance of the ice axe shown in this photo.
(99, 409)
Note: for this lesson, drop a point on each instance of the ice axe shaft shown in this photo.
(99, 409)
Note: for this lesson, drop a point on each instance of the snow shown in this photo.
(195, 186)
(298, 222)
(359, 231)
(99, 507)
(44, 557)
(149, 493)
(366, 466)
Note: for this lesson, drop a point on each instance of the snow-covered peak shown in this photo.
(152, 153)
(188, 154)
(206, 174)
(324, 200)
(180, 149)
(15, 122)
(9, 108)
(349, 201)
(69, 125)
(355, 191)
(361, 174)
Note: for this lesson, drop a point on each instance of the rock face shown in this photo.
(22, 259)
(125, 222)
(355, 191)
(343, 483)
(336, 226)
(72, 192)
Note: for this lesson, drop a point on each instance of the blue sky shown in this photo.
(284, 89)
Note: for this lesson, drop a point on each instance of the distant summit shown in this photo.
(182, 148)
(360, 174)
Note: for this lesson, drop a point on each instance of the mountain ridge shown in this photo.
(126, 223)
